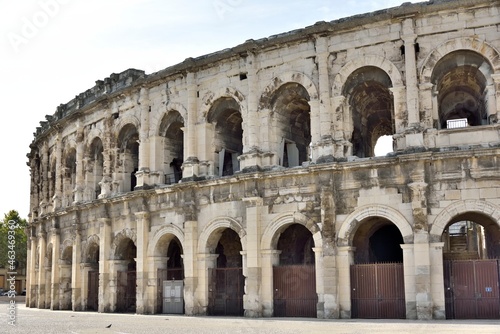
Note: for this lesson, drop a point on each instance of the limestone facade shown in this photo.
(264, 153)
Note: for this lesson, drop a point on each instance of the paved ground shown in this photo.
(60, 322)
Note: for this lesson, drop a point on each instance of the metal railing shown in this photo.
(456, 123)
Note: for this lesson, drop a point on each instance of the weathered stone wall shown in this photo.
(317, 100)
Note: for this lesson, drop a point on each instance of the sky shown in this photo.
(53, 50)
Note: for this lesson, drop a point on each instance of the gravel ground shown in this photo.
(45, 321)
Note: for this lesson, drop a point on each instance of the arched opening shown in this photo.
(384, 146)
(69, 177)
(170, 292)
(292, 120)
(128, 156)
(377, 276)
(225, 116)
(125, 255)
(226, 280)
(294, 279)
(471, 256)
(52, 179)
(459, 78)
(371, 106)
(95, 168)
(92, 261)
(173, 148)
(65, 281)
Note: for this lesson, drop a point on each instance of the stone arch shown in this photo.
(284, 78)
(66, 255)
(91, 240)
(353, 221)
(126, 233)
(457, 208)
(462, 43)
(93, 134)
(210, 97)
(371, 60)
(219, 224)
(125, 120)
(158, 117)
(169, 229)
(279, 224)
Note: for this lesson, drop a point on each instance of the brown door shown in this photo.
(126, 291)
(377, 291)
(472, 289)
(294, 289)
(93, 291)
(226, 288)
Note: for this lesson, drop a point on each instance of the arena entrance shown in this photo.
(171, 279)
(93, 277)
(377, 278)
(226, 281)
(471, 268)
(294, 279)
(126, 277)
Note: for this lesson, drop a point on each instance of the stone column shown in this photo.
(494, 104)
(270, 258)
(65, 285)
(56, 244)
(44, 200)
(41, 270)
(423, 281)
(190, 267)
(144, 163)
(190, 166)
(320, 281)
(437, 279)
(409, 279)
(143, 305)
(323, 149)
(157, 160)
(58, 173)
(32, 279)
(76, 280)
(330, 283)
(79, 185)
(409, 37)
(425, 98)
(343, 127)
(252, 265)
(400, 121)
(253, 152)
(107, 154)
(104, 277)
(345, 258)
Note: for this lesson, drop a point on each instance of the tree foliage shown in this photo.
(13, 241)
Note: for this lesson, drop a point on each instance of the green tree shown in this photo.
(13, 241)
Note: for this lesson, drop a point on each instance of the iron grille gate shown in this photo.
(377, 291)
(295, 291)
(472, 289)
(93, 291)
(126, 291)
(225, 291)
